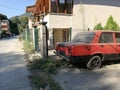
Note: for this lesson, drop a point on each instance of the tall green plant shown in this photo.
(98, 27)
(28, 47)
(111, 24)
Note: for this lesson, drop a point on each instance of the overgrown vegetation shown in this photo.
(28, 47)
(111, 24)
(3, 17)
(98, 27)
(41, 73)
(18, 24)
(42, 80)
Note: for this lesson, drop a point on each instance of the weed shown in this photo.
(46, 65)
(28, 47)
(41, 73)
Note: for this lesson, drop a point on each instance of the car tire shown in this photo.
(94, 63)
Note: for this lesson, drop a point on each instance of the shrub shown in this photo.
(46, 65)
(111, 24)
(42, 81)
(41, 73)
(98, 27)
(28, 47)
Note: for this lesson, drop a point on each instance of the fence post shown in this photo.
(44, 43)
(36, 39)
(26, 34)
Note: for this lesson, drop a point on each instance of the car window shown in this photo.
(86, 37)
(106, 38)
(117, 36)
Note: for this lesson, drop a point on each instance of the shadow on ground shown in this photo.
(77, 77)
(13, 72)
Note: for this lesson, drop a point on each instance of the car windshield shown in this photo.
(86, 37)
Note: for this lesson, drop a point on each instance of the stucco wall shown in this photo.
(30, 23)
(58, 21)
(88, 13)
(91, 12)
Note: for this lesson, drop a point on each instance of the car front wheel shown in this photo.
(94, 63)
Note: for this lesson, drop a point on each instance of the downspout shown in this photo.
(82, 12)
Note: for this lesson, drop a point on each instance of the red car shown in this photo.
(91, 48)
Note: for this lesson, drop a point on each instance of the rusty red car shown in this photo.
(91, 48)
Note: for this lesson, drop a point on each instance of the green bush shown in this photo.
(42, 70)
(28, 47)
(98, 27)
(43, 80)
(46, 65)
(111, 24)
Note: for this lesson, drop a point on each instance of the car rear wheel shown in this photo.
(94, 63)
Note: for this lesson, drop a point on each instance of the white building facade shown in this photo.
(65, 18)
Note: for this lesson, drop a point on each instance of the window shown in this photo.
(66, 35)
(86, 37)
(117, 36)
(69, 6)
(106, 38)
(54, 6)
(62, 1)
(62, 6)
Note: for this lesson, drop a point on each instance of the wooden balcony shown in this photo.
(51, 6)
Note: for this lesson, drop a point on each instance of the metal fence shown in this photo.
(31, 35)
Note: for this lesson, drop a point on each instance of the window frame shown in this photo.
(116, 37)
(101, 40)
(60, 9)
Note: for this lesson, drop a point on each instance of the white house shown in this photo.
(67, 17)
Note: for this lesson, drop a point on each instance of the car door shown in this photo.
(117, 36)
(107, 45)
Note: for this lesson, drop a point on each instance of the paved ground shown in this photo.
(79, 78)
(13, 70)
(74, 78)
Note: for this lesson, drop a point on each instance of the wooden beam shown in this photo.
(44, 6)
(30, 8)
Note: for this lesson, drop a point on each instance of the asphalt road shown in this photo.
(13, 70)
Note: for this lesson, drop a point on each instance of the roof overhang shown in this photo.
(30, 8)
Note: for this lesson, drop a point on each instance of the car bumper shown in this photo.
(64, 57)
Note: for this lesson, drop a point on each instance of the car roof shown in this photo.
(100, 31)
(104, 31)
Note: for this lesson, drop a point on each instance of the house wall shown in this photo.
(58, 21)
(88, 13)
(30, 22)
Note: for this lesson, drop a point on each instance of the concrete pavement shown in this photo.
(13, 70)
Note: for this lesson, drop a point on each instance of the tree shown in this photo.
(14, 25)
(23, 23)
(19, 23)
(13, 28)
(111, 24)
(98, 27)
(3, 17)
